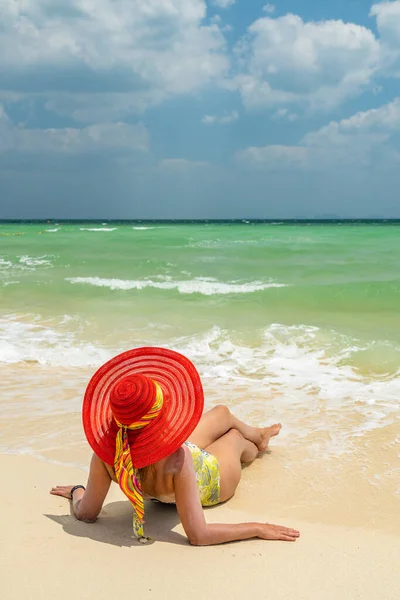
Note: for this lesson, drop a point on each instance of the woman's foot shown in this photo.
(266, 434)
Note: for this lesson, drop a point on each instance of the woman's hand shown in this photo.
(277, 532)
(86, 504)
(62, 490)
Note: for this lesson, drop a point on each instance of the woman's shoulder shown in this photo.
(173, 463)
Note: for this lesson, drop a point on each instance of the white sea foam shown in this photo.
(5, 264)
(25, 263)
(200, 285)
(294, 374)
(35, 261)
(52, 230)
(32, 342)
(142, 228)
(98, 228)
(205, 244)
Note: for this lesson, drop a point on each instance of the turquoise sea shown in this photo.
(296, 322)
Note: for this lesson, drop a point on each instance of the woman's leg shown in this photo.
(219, 420)
(231, 450)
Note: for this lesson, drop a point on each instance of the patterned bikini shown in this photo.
(207, 475)
(207, 478)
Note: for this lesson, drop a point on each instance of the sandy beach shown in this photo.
(48, 554)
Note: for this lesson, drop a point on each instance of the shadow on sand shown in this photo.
(114, 525)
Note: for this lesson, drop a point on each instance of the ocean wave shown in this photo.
(206, 286)
(206, 244)
(35, 261)
(298, 372)
(259, 242)
(298, 375)
(294, 374)
(98, 228)
(142, 228)
(52, 230)
(25, 263)
(34, 342)
(5, 264)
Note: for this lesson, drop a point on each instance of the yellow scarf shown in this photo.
(127, 475)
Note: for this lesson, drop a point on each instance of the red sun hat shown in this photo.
(124, 390)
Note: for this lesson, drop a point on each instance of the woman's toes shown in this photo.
(275, 429)
(266, 434)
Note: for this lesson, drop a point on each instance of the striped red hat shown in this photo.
(124, 390)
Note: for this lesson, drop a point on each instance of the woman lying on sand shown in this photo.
(142, 415)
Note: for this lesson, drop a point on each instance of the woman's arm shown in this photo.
(193, 521)
(86, 505)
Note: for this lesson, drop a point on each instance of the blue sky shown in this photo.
(188, 109)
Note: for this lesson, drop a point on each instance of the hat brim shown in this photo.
(182, 407)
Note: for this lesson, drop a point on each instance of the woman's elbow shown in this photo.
(195, 541)
(198, 539)
(86, 519)
(82, 515)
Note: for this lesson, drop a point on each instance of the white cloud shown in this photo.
(388, 23)
(284, 113)
(146, 51)
(269, 8)
(223, 120)
(384, 119)
(224, 3)
(209, 119)
(217, 19)
(314, 64)
(363, 140)
(273, 157)
(109, 136)
(388, 20)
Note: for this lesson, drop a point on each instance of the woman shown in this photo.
(142, 415)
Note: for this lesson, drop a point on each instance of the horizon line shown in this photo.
(187, 221)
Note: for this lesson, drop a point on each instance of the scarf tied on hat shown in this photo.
(127, 475)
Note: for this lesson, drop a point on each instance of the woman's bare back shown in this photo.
(157, 480)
